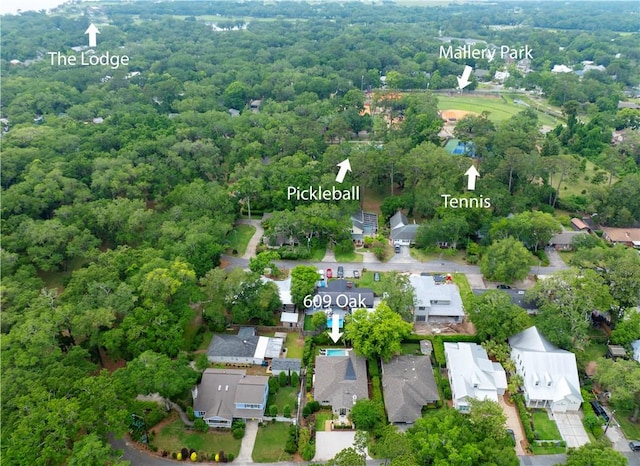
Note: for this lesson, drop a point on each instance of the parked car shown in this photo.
(376, 277)
(329, 273)
(503, 287)
(356, 274)
(634, 445)
(340, 271)
(397, 247)
(599, 410)
(512, 434)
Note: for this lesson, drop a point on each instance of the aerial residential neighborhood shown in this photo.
(320, 233)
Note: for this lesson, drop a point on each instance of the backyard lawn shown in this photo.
(174, 436)
(284, 396)
(294, 345)
(269, 446)
(545, 428)
(410, 348)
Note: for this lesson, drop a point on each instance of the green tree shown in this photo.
(566, 300)
(262, 261)
(367, 415)
(627, 330)
(376, 334)
(495, 317)
(506, 260)
(622, 378)
(595, 454)
(90, 449)
(488, 419)
(347, 457)
(398, 293)
(319, 320)
(303, 283)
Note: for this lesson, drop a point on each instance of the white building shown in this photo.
(550, 374)
(472, 375)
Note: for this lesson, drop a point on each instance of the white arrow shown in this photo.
(472, 173)
(345, 167)
(335, 328)
(464, 80)
(92, 30)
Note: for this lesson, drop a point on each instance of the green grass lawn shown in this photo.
(190, 331)
(240, 236)
(294, 345)
(308, 326)
(321, 419)
(206, 340)
(366, 281)
(175, 436)
(269, 446)
(317, 254)
(466, 294)
(582, 183)
(631, 430)
(545, 427)
(284, 396)
(592, 352)
(410, 348)
(439, 255)
(538, 450)
(498, 110)
(349, 257)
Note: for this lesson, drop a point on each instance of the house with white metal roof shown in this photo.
(472, 375)
(550, 374)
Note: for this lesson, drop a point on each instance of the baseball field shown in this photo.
(498, 109)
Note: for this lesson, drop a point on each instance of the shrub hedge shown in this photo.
(525, 417)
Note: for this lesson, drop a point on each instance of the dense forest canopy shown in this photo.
(120, 187)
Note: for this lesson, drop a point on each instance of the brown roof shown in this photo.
(579, 224)
(622, 235)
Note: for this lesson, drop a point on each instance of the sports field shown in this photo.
(496, 106)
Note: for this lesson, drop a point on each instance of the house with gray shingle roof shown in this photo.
(244, 348)
(286, 365)
(402, 232)
(408, 385)
(227, 394)
(340, 381)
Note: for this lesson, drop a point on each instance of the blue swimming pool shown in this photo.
(336, 352)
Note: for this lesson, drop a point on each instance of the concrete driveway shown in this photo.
(513, 423)
(328, 444)
(402, 257)
(571, 429)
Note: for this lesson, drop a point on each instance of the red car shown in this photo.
(329, 273)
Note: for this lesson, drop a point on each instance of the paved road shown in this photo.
(443, 266)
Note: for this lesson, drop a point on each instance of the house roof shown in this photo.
(408, 384)
(268, 347)
(364, 222)
(406, 232)
(442, 300)
(284, 289)
(617, 351)
(566, 237)
(549, 373)
(286, 364)
(233, 346)
(473, 375)
(339, 292)
(622, 235)
(289, 317)
(631, 105)
(341, 380)
(220, 389)
(398, 220)
(579, 224)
